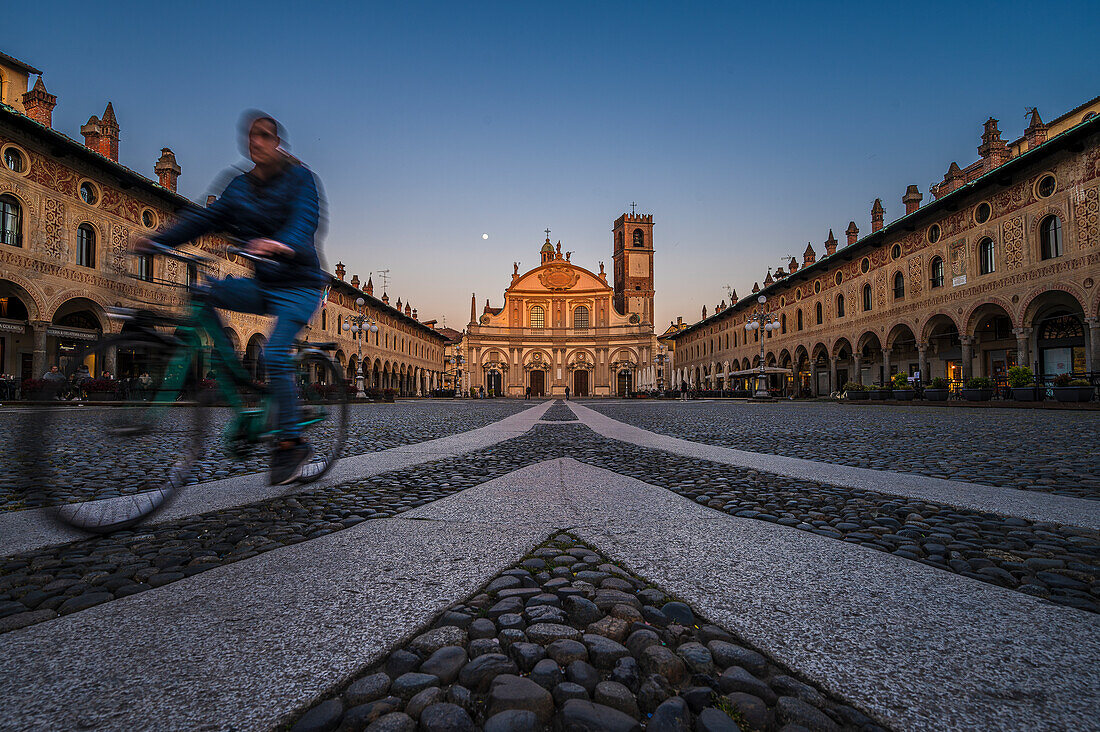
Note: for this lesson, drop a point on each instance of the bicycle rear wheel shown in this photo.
(107, 466)
(324, 412)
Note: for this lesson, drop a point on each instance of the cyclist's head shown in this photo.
(262, 135)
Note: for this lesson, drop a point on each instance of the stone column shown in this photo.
(833, 386)
(922, 362)
(111, 362)
(967, 347)
(39, 361)
(858, 377)
(885, 366)
(1092, 355)
(1023, 350)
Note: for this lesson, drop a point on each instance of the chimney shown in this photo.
(830, 244)
(733, 297)
(355, 281)
(486, 306)
(415, 316)
(877, 213)
(911, 199)
(993, 149)
(340, 271)
(1035, 134)
(809, 256)
(704, 312)
(167, 169)
(792, 266)
(952, 179)
(385, 297)
(755, 287)
(473, 307)
(210, 200)
(39, 104)
(852, 232)
(769, 280)
(370, 285)
(679, 320)
(398, 304)
(408, 311)
(109, 126)
(93, 134)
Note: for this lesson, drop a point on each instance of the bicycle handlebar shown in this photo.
(173, 253)
(241, 252)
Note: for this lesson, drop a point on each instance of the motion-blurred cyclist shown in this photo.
(275, 207)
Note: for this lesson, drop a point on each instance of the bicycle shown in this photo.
(149, 441)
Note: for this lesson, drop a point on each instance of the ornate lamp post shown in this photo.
(359, 324)
(456, 362)
(760, 318)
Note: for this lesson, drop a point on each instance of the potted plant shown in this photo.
(100, 390)
(856, 392)
(1068, 389)
(388, 395)
(35, 389)
(903, 391)
(1022, 382)
(878, 393)
(978, 389)
(938, 390)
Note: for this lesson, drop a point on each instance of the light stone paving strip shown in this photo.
(245, 646)
(917, 647)
(22, 531)
(1040, 507)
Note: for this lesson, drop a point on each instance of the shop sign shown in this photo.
(12, 326)
(79, 335)
(957, 281)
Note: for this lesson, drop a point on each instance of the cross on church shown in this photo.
(548, 233)
(632, 204)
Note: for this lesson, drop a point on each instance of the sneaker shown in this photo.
(287, 463)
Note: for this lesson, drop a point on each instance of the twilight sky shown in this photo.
(745, 131)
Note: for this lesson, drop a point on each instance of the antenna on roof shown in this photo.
(385, 275)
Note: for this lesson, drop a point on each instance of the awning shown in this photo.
(756, 371)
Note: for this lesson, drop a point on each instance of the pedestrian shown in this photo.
(683, 390)
(567, 393)
(527, 394)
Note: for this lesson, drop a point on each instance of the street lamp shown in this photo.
(760, 318)
(457, 361)
(359, 324)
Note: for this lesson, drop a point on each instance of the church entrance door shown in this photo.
(538, 383)
(580, 383)
(624, 384)
(493, 383)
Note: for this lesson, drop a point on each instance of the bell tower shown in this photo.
(633, 257)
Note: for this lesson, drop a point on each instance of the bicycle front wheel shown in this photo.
(121, 449)
(323, 414)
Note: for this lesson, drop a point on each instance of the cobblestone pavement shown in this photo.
(1030, 449)
(567, 639)
(1060, 564)
(105, 469)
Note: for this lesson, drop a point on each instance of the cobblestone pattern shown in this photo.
(559, 412)
(1043, 560)
(110, 471)
(1033, 449)
(567, 640)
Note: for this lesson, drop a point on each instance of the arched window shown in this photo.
(868, 298)
(986, 264)
(580, 317)
(11, 221)
(783, 323)
(639, 238)
(538, 317)
(85, 246)
(799, 319)
(324, 320)
(1050, 236)
(899, 286)
(937, 271)
(840, 306)
(820, 315)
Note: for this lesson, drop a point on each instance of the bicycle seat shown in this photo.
(319, 346)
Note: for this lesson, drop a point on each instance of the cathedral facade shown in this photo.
(563, 327)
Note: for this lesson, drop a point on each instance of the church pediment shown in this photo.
(558, 277)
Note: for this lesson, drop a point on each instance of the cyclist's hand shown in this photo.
(269, 248)
(141, 245)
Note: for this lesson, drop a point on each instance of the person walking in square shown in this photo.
(527, 394)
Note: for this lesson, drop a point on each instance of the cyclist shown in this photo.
(275, 207)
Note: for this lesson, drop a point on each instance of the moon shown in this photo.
(484, 236)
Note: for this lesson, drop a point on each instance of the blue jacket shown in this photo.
(284, 208)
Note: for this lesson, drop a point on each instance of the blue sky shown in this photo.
(746, 130)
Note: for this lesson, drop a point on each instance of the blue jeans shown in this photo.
(292, 307)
